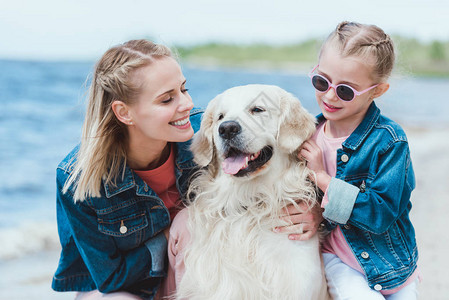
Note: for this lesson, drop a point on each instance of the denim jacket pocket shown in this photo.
(127, 230)
(400, 245)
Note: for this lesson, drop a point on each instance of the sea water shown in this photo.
(41, 114)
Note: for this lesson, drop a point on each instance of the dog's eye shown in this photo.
(220, 116)
(257, 109)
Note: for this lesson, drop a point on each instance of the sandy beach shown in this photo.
(30, 277)
(430, 208)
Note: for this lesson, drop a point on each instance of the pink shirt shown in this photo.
(335, 242)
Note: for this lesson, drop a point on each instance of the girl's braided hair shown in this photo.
(367, 41)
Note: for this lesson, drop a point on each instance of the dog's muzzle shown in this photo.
(229, 129)
(239, 163)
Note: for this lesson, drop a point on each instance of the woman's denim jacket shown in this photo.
(115, 241)
(370, 199)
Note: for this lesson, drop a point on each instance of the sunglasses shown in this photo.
(344, 92)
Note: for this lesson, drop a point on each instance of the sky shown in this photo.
(84, 29)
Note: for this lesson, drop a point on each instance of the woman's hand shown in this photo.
(304, 222)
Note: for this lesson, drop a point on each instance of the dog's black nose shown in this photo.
(229, 129)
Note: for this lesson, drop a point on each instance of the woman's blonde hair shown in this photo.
(366, 41)
(104, 138)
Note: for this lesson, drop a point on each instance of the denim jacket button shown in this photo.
(123, 229)
(347, 226)
(344, 158)
(378, 287)
(365, 255)
(362, 187)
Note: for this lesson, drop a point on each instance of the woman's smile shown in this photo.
(181, 123)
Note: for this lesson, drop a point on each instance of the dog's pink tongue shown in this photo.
(232, 165)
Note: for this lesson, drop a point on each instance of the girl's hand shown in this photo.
(304, 222)
(311, 153)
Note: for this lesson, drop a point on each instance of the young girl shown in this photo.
(362, 163)
(118, 191)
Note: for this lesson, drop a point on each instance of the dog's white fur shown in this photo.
(233, 252)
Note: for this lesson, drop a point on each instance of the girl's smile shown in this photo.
(330, 108)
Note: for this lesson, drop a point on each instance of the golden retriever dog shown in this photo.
(247, 144)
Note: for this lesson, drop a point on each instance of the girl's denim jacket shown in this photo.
(115, 241)
(370, 199)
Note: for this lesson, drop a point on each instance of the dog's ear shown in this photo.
(202, 144)
(296, 124)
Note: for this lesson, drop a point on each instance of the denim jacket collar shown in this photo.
(360, 133)
(122, 183)
(128, 179)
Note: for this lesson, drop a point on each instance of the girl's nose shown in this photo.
(331, 94)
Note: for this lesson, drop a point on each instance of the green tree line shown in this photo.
(414, 57)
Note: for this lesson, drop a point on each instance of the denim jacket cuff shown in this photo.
(158, 251)
(342, 196)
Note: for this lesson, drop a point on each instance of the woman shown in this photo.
(118, 190)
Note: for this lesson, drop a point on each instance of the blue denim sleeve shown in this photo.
(158, 250)
(387, 194)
